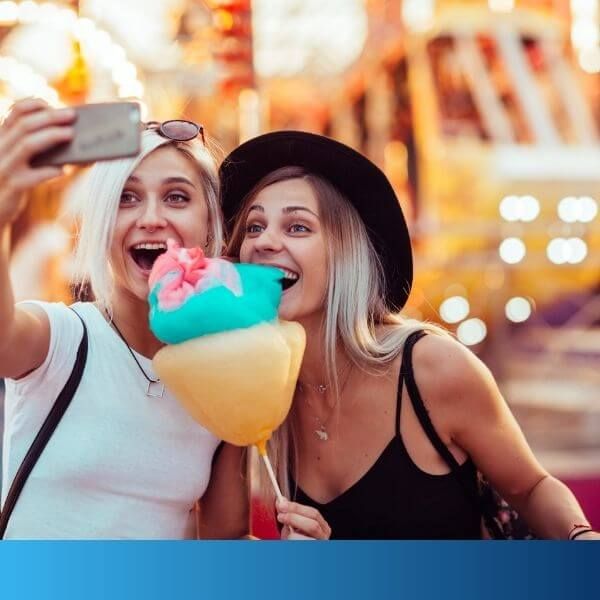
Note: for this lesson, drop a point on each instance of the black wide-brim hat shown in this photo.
(356, 177)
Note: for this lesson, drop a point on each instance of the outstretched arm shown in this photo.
(30, 128)
(470, 412)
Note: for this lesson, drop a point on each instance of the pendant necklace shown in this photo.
(321, 431)
(155, 388)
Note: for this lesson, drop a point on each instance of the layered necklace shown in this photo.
(321, 429)
(154, 387)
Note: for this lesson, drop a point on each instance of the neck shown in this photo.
(313, 370)
(130, 314)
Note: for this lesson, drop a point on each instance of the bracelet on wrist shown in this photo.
(585, 526)
(581, 532)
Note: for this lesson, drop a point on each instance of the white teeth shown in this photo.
(150, 246)
(290, 274)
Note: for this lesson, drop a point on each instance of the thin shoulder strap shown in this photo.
(45, 433)
(413, 392)
(432, 434)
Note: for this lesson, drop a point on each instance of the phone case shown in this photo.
(102, 132)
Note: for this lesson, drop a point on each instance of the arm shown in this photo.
(455, 383)
(30, 128)
(225, 506)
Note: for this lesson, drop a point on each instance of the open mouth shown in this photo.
(290, 278)
(145, 253)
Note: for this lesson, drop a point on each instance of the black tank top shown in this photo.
(397, 500)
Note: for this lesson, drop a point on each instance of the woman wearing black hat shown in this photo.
(365, 452)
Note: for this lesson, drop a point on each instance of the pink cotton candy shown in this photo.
(183, 272)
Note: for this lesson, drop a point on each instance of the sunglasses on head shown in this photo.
(178, 130)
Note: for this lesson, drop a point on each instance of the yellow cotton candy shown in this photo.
(238, 384)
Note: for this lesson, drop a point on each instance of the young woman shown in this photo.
(371, 450)
(126, 461)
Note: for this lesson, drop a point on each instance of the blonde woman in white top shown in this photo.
(125, 460)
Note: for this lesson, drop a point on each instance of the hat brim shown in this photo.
(355, 176)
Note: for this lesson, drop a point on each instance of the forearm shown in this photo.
(225, 506)
(229, 525)
(25, 335)
(551, 509)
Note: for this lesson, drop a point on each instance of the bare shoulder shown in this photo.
(450, 376)
(447, 358)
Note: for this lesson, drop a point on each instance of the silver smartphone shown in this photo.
(102, 132)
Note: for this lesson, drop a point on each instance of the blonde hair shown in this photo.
(99, 204)
(355, 308)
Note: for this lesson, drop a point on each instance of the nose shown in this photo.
(268, 241)
(151, 217)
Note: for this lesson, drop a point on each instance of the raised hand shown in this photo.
(30, 128)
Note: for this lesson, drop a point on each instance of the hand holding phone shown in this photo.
(30, 127)
(102, 131)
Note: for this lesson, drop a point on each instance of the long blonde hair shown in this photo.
(99, 203)
(355, 307)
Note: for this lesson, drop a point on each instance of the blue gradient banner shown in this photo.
(307, 570)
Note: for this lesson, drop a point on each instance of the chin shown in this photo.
(135, 289)
(287, 312)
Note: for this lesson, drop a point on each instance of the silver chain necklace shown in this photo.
(155, 388)
(321, 431)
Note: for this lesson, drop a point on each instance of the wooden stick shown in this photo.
(272, 477)
(262, 450)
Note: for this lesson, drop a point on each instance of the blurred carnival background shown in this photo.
(484, 114)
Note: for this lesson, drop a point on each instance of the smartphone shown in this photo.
(102, 132)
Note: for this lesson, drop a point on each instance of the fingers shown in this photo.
(30, 116)
(287, 533)
(39, 141)
(33, 177)
(30, 128)
(305, 520)
(17, 135)
(43, 118)
(23, 107)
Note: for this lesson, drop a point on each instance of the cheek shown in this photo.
(318, 286)
(116, 249)
(194, 224)
(316, 268)
(318, 260)
(245, 250)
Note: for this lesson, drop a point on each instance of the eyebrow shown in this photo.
(135, 179)
(286, 210)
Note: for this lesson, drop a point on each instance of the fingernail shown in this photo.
(281, 518)
(282, 504)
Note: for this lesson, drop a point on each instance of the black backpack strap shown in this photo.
(45, 433)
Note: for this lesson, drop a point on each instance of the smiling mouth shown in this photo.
(145, 254)
(289, 279)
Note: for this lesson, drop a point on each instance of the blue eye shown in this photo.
(254, 228)
(298, 228)
(128, 198)
(176, 198)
